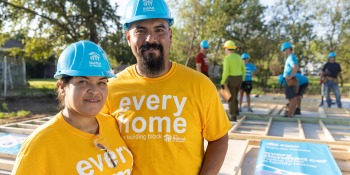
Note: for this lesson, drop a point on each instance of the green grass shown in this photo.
(36, 88)
(48, 83)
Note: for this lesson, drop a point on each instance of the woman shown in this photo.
(78, 140)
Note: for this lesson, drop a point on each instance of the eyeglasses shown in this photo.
(102, 144)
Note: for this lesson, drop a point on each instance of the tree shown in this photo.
(117, 48)
(332, 17)
(74, 19)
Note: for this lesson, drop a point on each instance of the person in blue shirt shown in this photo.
(329, 76)
(290, 69)
(247, 83)
(303, 83)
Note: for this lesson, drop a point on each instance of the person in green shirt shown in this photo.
(233, 74)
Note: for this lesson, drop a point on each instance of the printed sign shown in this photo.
(11, 143)
(296, 158)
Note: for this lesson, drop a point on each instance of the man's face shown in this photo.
(204, 50)
(332, 59)
(150, 42)
(246, 61)
(286, 52)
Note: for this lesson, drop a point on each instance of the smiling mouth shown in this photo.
(151, 49)
(92, 101)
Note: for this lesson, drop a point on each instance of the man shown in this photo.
(247, 85)
(234, 73)
(202, 64)
(165, 110)
(330, 72)
(303, 83)
(290, 69)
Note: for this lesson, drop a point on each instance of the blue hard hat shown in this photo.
(332, 54)
(204, 44)
(285, 45)
(245, 55)
(137, 10)
(83, 58)
(280, 78)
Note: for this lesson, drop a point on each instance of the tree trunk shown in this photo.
(214, 59)
(24, 71)
(267, 72)
(191, 47)
(93, 33)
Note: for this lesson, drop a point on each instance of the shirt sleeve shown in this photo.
(254, 68)
(25, 166)
(324, 68)
(216, 123)
(225, 71)
(339, 68)
(198, 59)
(294, 61)
(243, 70)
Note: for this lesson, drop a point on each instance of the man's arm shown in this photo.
(198, 67)
(255, 72)
(243, 70)
(341, 78)
(214, 156)
(295, 69)
(225, 71)
(322, 74)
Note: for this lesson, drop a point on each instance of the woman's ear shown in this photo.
(61, 88)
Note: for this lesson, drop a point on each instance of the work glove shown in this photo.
(222, 86)
(341, 83)
(320, 81)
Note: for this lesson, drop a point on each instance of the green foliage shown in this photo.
(5, 107)
(23, 113)
(56, 24)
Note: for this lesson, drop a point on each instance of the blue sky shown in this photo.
(122, 4)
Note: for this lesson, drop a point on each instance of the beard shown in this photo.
(151, 65)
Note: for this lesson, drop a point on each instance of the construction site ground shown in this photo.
(317, 124)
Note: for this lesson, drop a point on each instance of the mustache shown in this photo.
(148, 46)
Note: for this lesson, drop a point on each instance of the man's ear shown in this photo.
(128, 37)
(171, 35)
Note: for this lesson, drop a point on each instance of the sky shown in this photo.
(122, 4)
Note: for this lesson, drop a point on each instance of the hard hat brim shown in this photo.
(230, 47)
(143, 17)
(75, 73)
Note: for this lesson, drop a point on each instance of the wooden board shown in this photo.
(291, 129)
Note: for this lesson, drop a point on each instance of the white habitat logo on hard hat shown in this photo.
(148, 4)
(94, 56)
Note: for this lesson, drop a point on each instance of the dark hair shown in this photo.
(63, 81)
(291, 48)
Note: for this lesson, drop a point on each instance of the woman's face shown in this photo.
(85, 95)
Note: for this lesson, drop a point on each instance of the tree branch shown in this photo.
(37, 14)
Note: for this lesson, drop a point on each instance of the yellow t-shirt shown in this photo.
(187, 105)
(57, 148)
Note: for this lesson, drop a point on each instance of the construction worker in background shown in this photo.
(202, 64)
(303, 83)
(165, 110)
(247, 85)
(290, 69)
(233, 74)
(330, 72)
